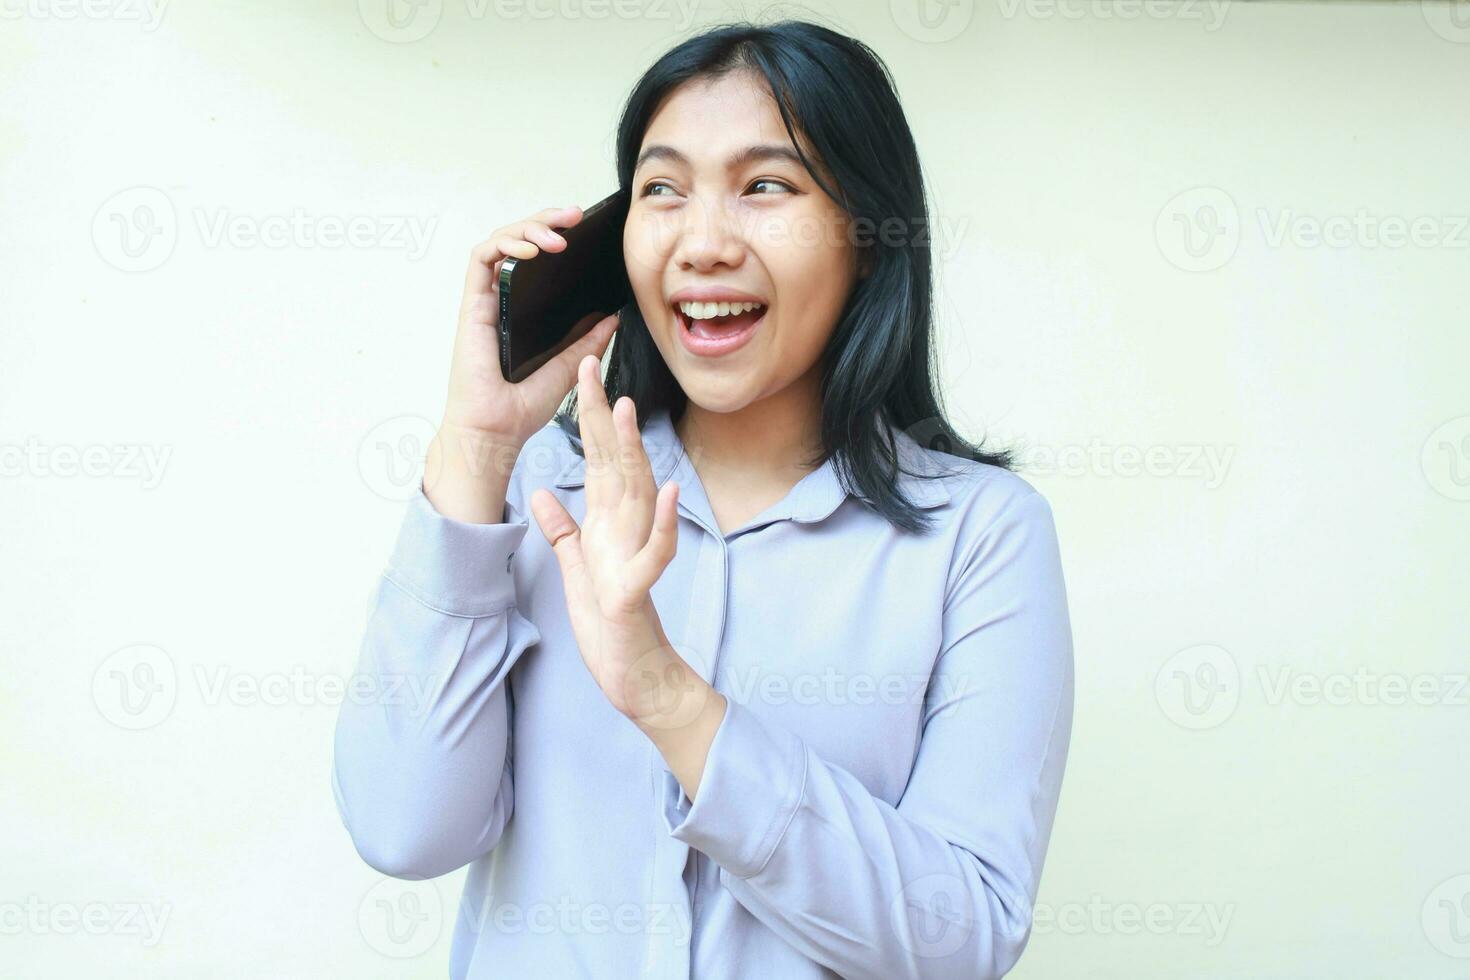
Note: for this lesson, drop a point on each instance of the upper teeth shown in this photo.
(704, 311)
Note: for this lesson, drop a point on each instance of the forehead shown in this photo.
(705, 115)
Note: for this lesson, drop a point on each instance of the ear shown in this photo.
(865, 261)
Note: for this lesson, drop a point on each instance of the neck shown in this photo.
(779, 434)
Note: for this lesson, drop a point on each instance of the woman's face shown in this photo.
(703, 220)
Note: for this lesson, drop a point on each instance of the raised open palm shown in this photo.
(610, 563)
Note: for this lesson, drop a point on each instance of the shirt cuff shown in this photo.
(455, 567)
(753, 783)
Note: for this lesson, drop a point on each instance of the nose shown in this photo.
(707, 237)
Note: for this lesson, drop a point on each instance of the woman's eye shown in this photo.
(648, 189)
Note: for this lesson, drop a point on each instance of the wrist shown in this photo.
(461, 452)
(467, 474)
(673, 701)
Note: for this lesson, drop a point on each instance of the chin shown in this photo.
(718, 395)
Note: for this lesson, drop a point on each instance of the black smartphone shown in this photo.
(548, 302)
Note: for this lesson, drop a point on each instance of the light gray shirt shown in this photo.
(878, 798)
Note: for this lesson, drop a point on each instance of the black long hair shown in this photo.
(878, 368)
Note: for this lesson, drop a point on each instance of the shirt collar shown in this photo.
(813, 498)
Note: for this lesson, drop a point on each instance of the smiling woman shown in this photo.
(764, 486)
(759, 161)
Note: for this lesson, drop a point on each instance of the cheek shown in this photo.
(647, 241)
(811, 280)
(646, 283)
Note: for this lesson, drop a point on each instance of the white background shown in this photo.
(1212, 824)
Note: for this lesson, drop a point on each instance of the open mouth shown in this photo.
(719, 327)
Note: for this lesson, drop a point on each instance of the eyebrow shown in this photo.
(738, 159)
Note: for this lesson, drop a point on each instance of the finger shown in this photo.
(535, 232)
(645, 567)
(542, 234)
(560, 217)
(565, 537)
(483, 270)
(483, 277)
(599, 442)
(638, 486)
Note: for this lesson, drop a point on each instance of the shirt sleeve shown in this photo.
(943, 884)
(421, 766)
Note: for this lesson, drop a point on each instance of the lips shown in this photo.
(718, 340)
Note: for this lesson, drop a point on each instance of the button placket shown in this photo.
(703, 630)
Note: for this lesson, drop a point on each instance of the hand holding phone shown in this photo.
(481, 402)
(550, 300)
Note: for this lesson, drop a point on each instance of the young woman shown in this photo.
(778, 690)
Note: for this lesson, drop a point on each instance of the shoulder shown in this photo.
(998, 528)
(978, 493)
(989, 512)
(992, 491)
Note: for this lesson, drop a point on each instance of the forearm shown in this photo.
(684, 744)
(854, 883)
(420, 766)
(466, 474)
(421, 773)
